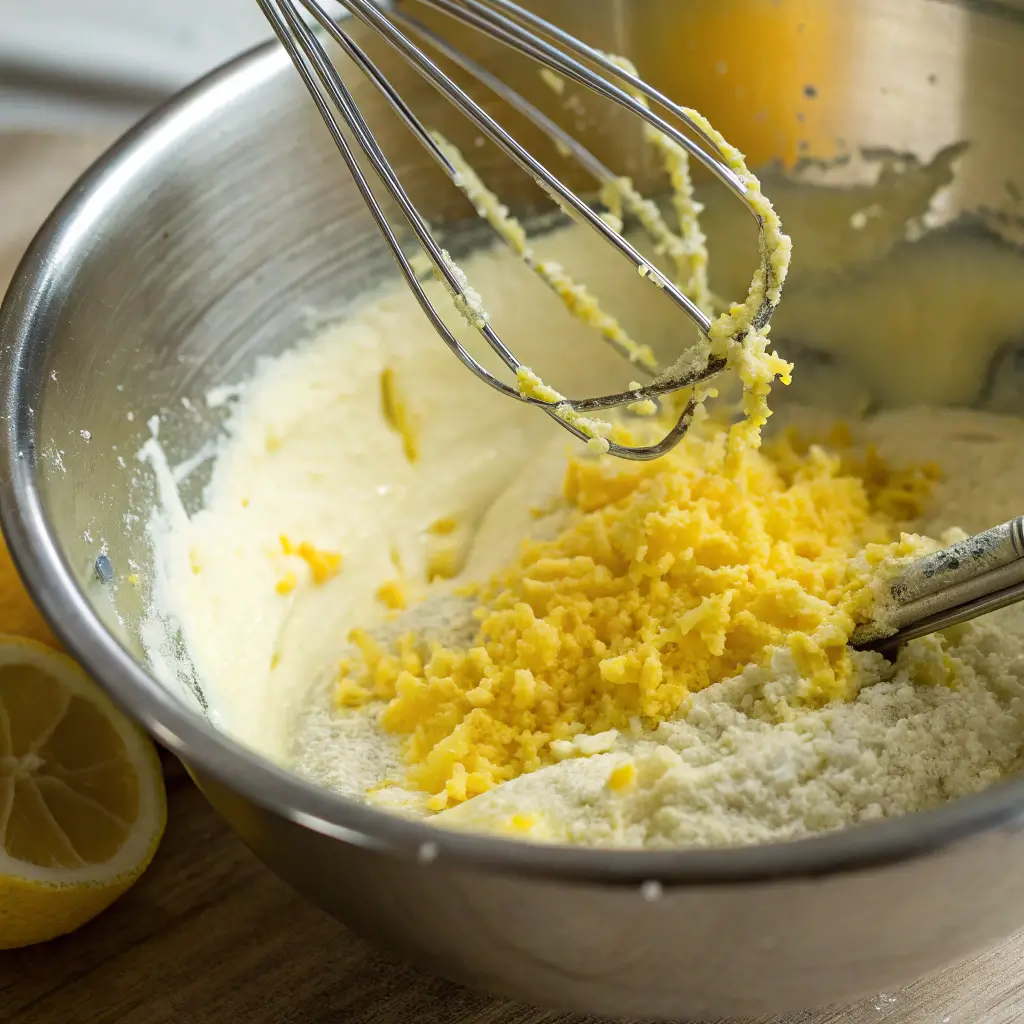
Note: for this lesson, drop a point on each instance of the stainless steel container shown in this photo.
(197, 243)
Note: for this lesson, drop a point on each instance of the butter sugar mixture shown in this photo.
(428, 598)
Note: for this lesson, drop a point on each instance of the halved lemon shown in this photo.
(82, 802)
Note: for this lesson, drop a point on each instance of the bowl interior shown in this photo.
(226, 228)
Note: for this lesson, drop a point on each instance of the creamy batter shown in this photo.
(317, 521)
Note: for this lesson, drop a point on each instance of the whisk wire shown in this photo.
(514, 99)
(976, 576)
(565, 142)
(390, 93)
(312, 63)
(368, 143)
(565, 197)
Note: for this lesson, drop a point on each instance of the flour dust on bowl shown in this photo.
(214, 378)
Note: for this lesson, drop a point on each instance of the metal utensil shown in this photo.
(559, 52)
(977, 575)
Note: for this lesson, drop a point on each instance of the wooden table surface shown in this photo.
(210, 936)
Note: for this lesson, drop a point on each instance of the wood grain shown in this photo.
(35, 171)
(209, 936)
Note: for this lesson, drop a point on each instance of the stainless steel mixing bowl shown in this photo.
(198, 243)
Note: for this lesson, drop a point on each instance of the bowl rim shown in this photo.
(32, 302)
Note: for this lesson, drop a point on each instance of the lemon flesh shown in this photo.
(82, 803)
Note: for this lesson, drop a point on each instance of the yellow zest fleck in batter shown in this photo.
(443, 562)
(443, 526)
(349, 694)
(522, 822)
(393, 594)
(622, 776)
(397, 414)
(324, 565)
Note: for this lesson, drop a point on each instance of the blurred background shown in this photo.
(102, 63)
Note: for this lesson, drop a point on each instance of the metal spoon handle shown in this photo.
(988, 602)
(977, 575)
(966, 560)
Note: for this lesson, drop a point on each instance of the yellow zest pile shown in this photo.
(672, 575)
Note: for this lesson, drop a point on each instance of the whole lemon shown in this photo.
(18, 614)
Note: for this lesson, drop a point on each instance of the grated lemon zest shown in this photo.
(672, 575)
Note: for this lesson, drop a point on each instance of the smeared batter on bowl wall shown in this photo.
(760, 752)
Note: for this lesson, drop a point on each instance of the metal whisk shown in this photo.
(555, 50)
